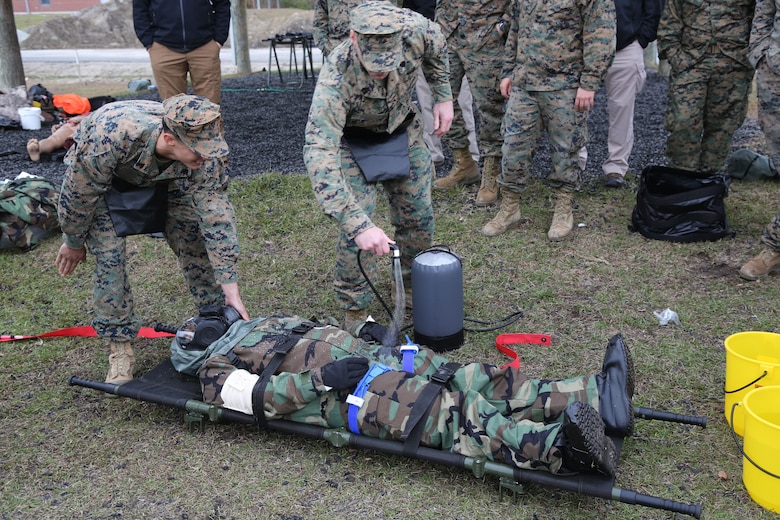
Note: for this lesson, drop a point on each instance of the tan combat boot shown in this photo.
(766, 262)
(121, 363)
(488, 191)
(563, 220)
(464, 171)
(508, 215)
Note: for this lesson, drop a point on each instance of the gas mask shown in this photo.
(211, 324)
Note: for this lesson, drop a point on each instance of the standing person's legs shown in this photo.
(725, 109)
(768, 86)
(522, 128)
(625, 79)
(411, 207)
(352, 290)
(425, 99)
(115, 319)
(112, 296)
(567, 131)
(206, 71)
(170, 70)
(684, 118)
(457, 137)
(483, 70)
(465, 169)
(466, 104)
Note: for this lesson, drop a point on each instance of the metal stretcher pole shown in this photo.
(649, 413)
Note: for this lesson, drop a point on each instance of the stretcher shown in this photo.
(163, 385)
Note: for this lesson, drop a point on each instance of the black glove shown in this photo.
(373, 332)
(344, 373)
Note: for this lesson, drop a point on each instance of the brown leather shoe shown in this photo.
(766, 262)
(613, 180)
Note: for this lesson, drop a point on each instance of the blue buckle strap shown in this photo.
(409, 351)
(355, 399)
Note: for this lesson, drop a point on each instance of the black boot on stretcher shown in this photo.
(616, 389)
(585, 447)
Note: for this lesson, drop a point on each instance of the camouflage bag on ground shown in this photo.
(28, 211)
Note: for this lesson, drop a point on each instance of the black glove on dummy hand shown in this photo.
(372, 331)
(344, 373)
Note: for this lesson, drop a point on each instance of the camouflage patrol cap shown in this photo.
(197, 123)
(378, 26)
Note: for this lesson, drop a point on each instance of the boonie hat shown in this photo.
(378, 26)
(197, 123)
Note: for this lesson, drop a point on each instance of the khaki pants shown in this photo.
(171, 68)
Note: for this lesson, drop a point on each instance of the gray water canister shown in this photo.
(437, 299)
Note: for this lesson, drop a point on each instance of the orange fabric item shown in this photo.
(71, 104)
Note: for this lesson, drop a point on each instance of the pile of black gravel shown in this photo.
(264, 127)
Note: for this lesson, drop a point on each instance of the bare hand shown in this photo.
(585, 100)
(233, 298)
(443, 114)
(505, 87)
(374, 240)
(68, 259)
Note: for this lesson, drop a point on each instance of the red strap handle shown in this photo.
(502, 340)
(86, 331)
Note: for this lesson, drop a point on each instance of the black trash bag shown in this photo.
(681, 205)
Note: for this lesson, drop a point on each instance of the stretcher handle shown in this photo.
(649, 413)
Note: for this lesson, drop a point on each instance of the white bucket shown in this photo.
(31, 118)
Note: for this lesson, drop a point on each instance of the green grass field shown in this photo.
(71, 452)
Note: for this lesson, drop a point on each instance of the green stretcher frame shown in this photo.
(163, 385)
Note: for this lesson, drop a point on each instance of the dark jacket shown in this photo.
(427, 8)
(637, 20)
(181, 25)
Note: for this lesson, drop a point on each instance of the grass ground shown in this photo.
(73, 453)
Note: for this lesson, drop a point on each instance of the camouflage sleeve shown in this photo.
(287, 393)
(435, 65)
(670, 32)
(761, 31)
(217, 219)
(319, 29)
(322, 155)
(510, 49)
(87, 179)
(598, 42)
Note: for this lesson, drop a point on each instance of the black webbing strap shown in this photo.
(280, 351)
(415, 425)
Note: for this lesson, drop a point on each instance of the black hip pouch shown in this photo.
(381, 156)
(137, 210)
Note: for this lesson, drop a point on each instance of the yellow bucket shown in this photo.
(752, 361)
(761, 450)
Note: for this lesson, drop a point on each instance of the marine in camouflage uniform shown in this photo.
(557, 55)
(483, 409)
(132, 141)
(378, 101)
(705, 43)
(476, 32)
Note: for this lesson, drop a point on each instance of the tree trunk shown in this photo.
(11, 68)
(240, 42)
